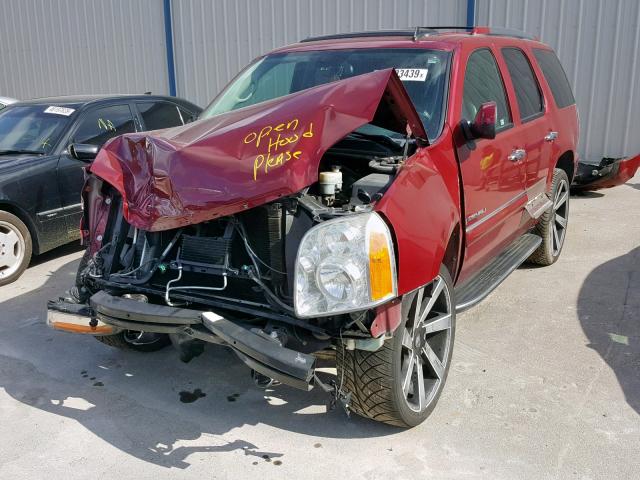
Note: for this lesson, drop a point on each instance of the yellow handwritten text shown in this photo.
(281, 142)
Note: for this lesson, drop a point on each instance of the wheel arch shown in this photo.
(14, 209)
(566, 162)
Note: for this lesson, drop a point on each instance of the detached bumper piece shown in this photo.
(265, 356)
(610, 172)
(109, 315)
(76, 318)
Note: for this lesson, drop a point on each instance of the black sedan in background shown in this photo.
(44, 145)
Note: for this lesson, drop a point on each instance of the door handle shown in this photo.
(551, 136)
(517, 155)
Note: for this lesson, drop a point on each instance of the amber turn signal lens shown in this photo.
(88, 329)
(380, 270)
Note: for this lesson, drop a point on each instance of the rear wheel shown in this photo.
(15, 248)
(552, 226)
(401, 382)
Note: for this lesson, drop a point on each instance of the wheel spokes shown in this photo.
(407, 374)
(422, 394)
(556, 237)
(407, 339)
(435, 293)
(561, 220)
(433, 360)
(437, 324)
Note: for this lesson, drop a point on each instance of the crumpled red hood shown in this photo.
(247, 157)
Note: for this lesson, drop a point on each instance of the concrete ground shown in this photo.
(544, 383)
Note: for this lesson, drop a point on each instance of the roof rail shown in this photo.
(504, 32)
(419, 32)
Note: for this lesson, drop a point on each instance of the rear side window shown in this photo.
(483, 83)
(555, 76)
(102, 124)
(157, 115)
(524, 82)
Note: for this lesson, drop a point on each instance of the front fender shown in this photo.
(423, 207)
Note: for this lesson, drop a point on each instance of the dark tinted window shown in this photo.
(157, 115)
(555, 76)
(483, 83)
(524, 82)
(98, 126)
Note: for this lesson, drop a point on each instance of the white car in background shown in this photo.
(4, 101)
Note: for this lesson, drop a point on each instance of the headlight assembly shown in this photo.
(343, 265)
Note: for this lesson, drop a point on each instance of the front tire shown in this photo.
(401, 382)
(15, 248)
(552, 226)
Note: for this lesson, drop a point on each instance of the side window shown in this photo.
(98, 126)
(157, 115)
(555, 76)
(524, 82)
(483, 83)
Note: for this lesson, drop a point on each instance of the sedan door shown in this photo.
(94, 127)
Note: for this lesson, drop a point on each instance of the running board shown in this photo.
(484, 282)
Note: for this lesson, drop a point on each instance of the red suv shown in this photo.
(343, 197)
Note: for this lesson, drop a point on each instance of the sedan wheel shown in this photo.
(15, 248)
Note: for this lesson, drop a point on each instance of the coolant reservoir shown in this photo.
(330, 182)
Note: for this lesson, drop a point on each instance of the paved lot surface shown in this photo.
(544, 383)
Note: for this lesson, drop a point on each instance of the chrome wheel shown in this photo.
(12, 249)
(560, 217)
(426, 344)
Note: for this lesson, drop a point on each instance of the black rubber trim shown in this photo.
(134, 311)
(63, 306)
(270, 354)
(141, 326)
(484, 282)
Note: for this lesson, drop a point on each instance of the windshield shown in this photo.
(423, 73)
(32, 129)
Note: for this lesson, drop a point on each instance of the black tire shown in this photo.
(148, 342)
(15, 240)
(375, 379)
(552, 226)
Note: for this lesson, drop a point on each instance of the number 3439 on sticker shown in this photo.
(412, 74)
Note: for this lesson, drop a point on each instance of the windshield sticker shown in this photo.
(412, 74)
(273, 139)
(60, 110)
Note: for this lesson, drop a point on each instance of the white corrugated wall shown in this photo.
(214, 39)
(63, 47)
(598, 43)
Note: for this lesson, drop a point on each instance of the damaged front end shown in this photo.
(609, 172)
(256, 229)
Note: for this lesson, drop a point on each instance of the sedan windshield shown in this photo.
(32, 129)
(423, 72)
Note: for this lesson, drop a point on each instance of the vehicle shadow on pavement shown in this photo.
(132, 400)
(55, 253)
(609, 312)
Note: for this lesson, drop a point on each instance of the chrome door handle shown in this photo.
(551, 136)
(517, 155)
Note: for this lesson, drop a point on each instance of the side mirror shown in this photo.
(83, 151)
(484, 125)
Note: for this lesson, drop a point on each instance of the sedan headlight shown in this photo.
(344, 265)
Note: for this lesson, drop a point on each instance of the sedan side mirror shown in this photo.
(83, 151)
(484, 125)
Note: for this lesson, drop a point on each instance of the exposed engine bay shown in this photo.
(243, 265)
